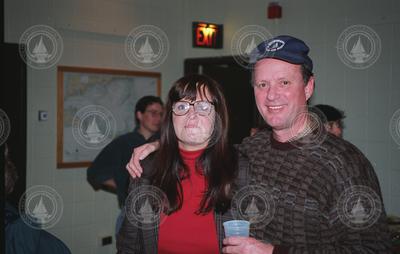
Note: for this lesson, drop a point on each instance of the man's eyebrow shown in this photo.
(266, 81)
(284, 78)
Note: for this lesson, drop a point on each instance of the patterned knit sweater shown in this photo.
(318, 192)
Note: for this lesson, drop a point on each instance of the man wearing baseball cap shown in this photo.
(327, 197)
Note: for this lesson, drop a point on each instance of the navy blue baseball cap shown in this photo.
(283, 47)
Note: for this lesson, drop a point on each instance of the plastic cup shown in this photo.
(236, 228)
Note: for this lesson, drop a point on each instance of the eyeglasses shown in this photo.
(155, 113)
(203, 108)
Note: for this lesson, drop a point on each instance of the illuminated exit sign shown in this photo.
(207, 35)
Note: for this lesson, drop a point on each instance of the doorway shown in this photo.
(13, 104)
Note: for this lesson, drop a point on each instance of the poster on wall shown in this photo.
(94, 106)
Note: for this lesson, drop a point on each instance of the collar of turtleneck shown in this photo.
(190, 155)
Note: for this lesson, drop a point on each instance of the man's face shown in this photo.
(280, 92)
(150, 119)
(335, 128)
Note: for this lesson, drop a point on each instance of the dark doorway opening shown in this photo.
(13, 103)
(236, 83)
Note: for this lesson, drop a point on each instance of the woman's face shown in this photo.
(193, 129)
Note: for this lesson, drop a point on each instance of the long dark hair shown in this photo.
(10, 172)
(217, 162)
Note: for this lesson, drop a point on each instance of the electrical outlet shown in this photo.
(106, 240)
(43, 115)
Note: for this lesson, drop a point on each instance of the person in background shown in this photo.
(108, 169)
(19, 237)
(334, 119)
(194, 167)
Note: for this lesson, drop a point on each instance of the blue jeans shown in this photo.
(120, 219)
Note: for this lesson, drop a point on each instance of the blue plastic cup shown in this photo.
(236, 228)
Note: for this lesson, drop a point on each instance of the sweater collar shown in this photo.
(190, 155)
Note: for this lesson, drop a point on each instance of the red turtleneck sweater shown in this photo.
(184, 231)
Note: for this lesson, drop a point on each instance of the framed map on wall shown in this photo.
(94, 106)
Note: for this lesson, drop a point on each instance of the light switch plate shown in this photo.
(43, 115)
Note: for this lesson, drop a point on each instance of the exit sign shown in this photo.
(207, 35)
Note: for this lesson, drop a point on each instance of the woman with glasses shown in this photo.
(176, 205)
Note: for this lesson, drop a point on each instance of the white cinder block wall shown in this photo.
(94, 33)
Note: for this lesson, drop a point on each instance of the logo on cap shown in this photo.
(275, 45)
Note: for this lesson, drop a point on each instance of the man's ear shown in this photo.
(327, 126)
(139, 116)
(309, 88)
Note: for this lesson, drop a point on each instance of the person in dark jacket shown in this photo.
(21, 238)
